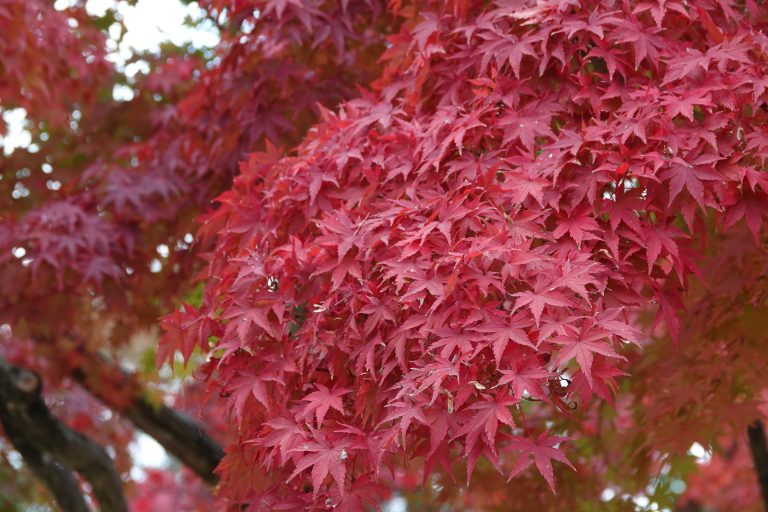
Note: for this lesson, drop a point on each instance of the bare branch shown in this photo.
(181, 436)
(60, 482)
(52, 446)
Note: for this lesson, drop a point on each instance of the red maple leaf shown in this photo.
(541, 452)
(324, 457)
(320, 401)
(582, 345)
(484, 417)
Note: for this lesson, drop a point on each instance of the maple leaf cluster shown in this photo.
(468, 243)
(117, 206)
(40, 49)
(96, 215)
(439, 281)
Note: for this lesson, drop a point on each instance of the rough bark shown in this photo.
(759, 449)
(53, 450)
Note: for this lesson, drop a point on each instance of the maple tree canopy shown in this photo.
(473, 255)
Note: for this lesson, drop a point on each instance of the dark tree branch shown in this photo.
(60, 482)
(759, 448)
(177, 433)
(52, 446)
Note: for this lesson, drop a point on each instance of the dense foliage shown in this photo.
(502, 248)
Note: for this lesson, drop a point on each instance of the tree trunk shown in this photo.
(53, 450)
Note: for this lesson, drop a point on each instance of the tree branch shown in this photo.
(177, 433)
(60, 482)
(759, 449)
(50, 447)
